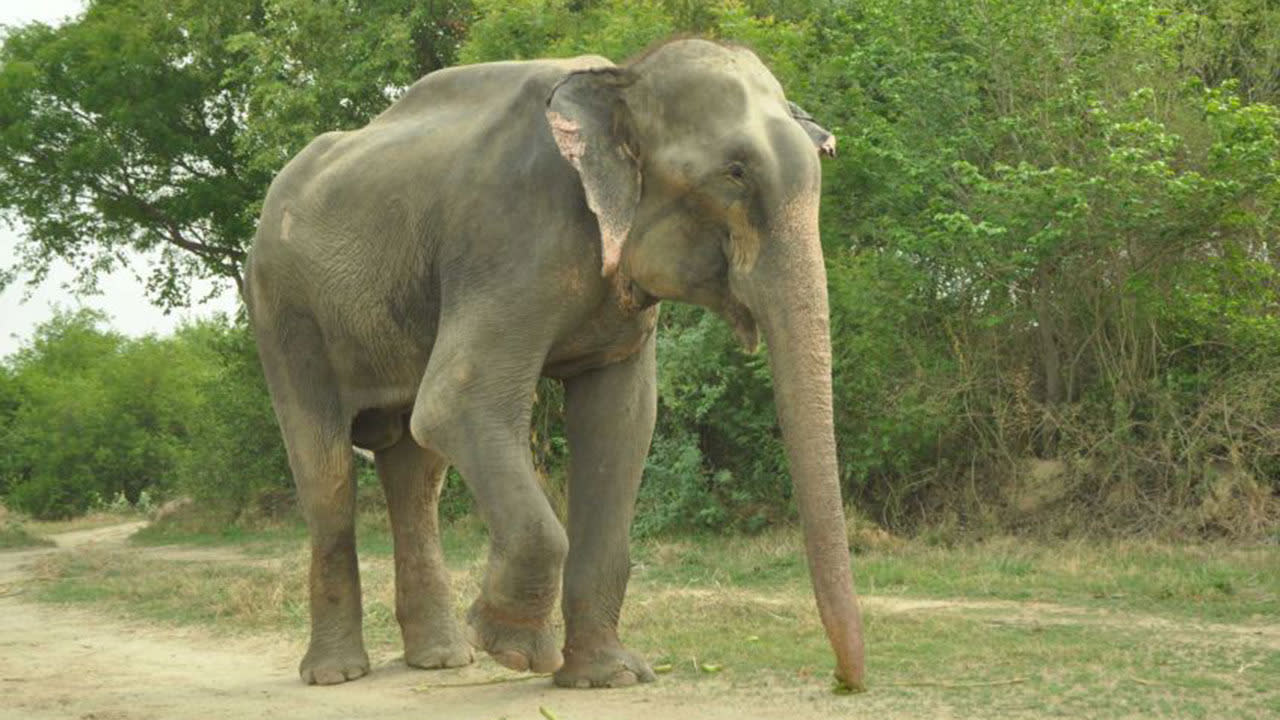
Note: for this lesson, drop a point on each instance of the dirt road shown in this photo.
(60, 661)
(57, 662)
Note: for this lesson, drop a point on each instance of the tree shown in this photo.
(150, 129)
(1051, 232)
(88, 416)
(235, 457)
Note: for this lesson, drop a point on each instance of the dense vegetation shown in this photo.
(1051, 237)
(90, 419)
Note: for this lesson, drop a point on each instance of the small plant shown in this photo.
(14, 534)
(146, 503)
(118, 505)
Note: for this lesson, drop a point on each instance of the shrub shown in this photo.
(1055, 246)
(236, 460)
(93, 416)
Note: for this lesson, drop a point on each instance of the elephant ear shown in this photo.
(589, 118)
(822, 137)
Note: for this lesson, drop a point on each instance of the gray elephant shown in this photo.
(411, 280)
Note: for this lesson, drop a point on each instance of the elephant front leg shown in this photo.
(511, 620)
(609, 416)
(477, 416)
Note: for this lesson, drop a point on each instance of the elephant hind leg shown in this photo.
(321, 459)
(317, 435)
(412, 478)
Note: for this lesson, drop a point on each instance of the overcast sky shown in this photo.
(122, 295)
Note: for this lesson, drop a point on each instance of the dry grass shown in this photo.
(15, 534)
(1003, 628)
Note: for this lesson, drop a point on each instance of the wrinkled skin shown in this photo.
(412, 280)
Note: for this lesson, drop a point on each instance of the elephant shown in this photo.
(411, 281)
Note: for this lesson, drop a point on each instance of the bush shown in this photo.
(1059, 246)
(89, 418)
(236, 461)
(13, 535)
(93, 416)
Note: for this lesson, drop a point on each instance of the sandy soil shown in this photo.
(63, 662)
(58, 662)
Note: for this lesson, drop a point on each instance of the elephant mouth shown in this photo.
(743, 324)
(632, 297)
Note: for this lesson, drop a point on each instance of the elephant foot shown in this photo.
(452, 654)
(608, 666)
(323, 665)
(433, 645)
(516, 643)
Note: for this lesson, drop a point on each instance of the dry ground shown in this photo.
(60, 662)
(83, 662)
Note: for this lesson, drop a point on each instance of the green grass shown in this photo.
(1003, 628)
(1204, 582)
(464, 540)
(15, 535)
(267, 540)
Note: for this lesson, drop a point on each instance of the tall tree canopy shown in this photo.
(154, 126)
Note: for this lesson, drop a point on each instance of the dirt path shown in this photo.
(63, 662)
(58, 662)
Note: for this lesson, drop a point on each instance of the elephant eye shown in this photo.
(737, 170)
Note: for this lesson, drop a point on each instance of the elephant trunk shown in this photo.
(786, 292)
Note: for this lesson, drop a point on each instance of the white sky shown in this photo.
(122, 295)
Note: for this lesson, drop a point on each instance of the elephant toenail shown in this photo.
(626, 678)
(512, 659)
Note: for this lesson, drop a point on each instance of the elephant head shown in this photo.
(705, 183)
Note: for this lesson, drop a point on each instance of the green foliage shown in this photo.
(236, 460)
(92, 420)
(155, 126)
(93, 417)
(616, 29)
(1079, 255)
(1050, 237)
(1050, 234)
(563, 28)
(711, 394)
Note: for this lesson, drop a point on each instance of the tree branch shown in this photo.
(173, 234)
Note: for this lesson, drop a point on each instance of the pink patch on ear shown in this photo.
(828, 146)
(611, 254)
(568, 136)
